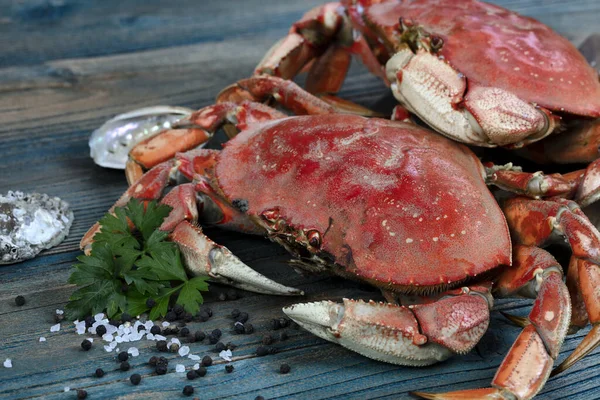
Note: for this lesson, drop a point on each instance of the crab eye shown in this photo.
(436, 43)
(314, 238)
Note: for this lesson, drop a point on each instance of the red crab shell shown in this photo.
(394, 203)
(495, 47)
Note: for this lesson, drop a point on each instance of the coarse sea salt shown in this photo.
(184, 351)
(42, 339)
(56, 328)
(196, 366)
(159, 337)
(66, 389)
(59, 312)
(225, 355)
(193, 357)
(133, 351)
(8, 363)
(107, 337)
(165, 324)
(179, 368)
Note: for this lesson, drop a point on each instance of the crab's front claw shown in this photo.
(414, 336)
(473, 394)
(202, 256)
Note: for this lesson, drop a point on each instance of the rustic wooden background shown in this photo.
(66, 67)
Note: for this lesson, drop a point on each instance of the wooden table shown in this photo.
(66, 67)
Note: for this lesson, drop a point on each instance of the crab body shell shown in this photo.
(407, 213)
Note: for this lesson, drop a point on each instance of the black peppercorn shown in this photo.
(207, 310)
(100, 330)
(171, 316)
(58, 317)
(259, 398)
(155, 330)
(81, 394)
(20, 300)
(141, 328)
(201, 371)
(212, 339)
(229, 368)
(187, 317)
(114, 323)
(86, 345)
(153, 360)
(188, 390)
(220, 346)
(262, 351)
(283, 336)
(161, 369)
(150, 302)
(235, 313)
(161, 345)
(203, 316)
(135, 379)
(273, 350)
(89, 321)
(230, 346)
(123, 356)
(216, 333)
(99, 373)
(191, 375)
(284, 369)
(162, 361)
(174, 347)
(183, 332)
(267, 340)
(243, 317)
(178, 309)
(207, 361)
(238, 327)
(248, 328)
(191, 338)
(275, 324)
(125, 317)
(199, 335)
(124, 366)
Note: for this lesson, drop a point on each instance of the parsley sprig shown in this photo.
(127, 266)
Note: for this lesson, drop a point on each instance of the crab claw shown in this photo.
(202, 256)
(394, 334)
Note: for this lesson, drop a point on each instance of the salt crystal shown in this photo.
(119, 339)
(55, 328)
(108, 349)
(193, 357)
(117, 350)
(91, 339)
(99, 317)
(110, 329)
(175, 340)
(59, 312)
(179, 368)
(42, 339)
(133, 351)
(8, 363)
(196, 366)
(150, 337)
(225, 355)
(66, 389)
(165, 324)
(107, 337)
(159, 337)
(184, 351)
(148, 325)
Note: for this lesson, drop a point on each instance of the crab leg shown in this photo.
(417, 335)
(534, 222)
(192, 131)
(201, 255)
(526, 367)
(582, 185)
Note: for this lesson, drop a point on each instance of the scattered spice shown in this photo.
(267, 340)
(201, 371)
(178, 309)
(259, 398)
(199, 335)
(213, 339)
(243, 317)
(161, 369)
(153, 360)
(184, 332)
(284, 322)
(248, 328)
(86, 345)
(191, 375)
(262, 351)
(20, 301)
(207, 361)
(235, 313)
(230, 346)
(174, 347)
(150, 302)
(284, 369)
(81, 394)
(124, 366)
(283, 336)
(171, 316)
(125, 317)
(239, 328)
(220, 346)
(229, 368)
(99, 373)
(100, 330)
(275, 325)
(135, 379)
(188, 390)
(188, 317)
(203, 316)
(123, 356)
(161, 345)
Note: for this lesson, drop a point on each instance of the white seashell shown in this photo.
(30, 223)
(110, 144)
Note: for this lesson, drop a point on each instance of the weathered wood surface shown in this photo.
(67, 66)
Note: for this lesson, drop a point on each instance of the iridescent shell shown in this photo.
(110, 144)
(30, 223)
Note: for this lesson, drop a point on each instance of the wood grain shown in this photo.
(65, 67)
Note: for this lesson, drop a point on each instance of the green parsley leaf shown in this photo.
(125, 268)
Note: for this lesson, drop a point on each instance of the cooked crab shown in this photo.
(391, 204)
